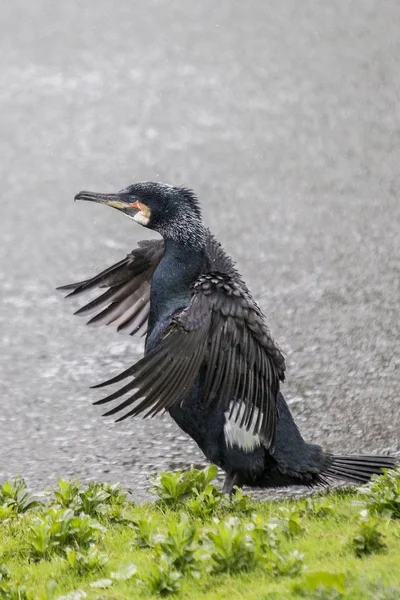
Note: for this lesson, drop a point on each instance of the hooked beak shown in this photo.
(120, 201)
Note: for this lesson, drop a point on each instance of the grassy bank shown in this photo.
(195, 543)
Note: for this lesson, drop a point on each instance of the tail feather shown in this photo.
(358, 469)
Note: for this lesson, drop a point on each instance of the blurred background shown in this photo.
(285, 119)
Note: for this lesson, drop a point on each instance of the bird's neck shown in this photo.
(180, 266)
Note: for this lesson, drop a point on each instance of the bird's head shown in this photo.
(173, 212)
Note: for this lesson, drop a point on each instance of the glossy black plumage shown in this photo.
(210, 359)
(221, 328)
(126, 303)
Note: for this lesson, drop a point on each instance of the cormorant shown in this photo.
(209, 358)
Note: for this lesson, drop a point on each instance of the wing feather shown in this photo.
(126, 302)
(221, 334)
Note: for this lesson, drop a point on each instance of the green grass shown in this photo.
(195, 543)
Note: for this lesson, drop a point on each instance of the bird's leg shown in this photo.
(231, 480)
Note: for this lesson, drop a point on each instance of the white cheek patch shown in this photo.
(141, 218)
(239, 436)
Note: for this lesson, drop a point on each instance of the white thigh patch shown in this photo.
(238, 436)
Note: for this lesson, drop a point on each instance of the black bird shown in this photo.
(209, 358)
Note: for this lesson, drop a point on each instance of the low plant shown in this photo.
(6, 512)
(174, 488)
(211, 502)
(84, 562)
(264, 533)
(145, 533)
(13, 591)
(15, 498)
(4, 572)
(238, 502)
(97, 500)
(382, 494)
(368, 539)
(205, 532)
(231, 547)
(179, 544)
(60, 528)
(94, 500)
(204, 505)
(316, 507)
(288, 522)
(164, 579)
(116, 502)
(67, 493)
(285, 565)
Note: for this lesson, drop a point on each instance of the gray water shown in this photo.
(285, 119)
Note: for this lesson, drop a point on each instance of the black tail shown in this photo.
(358, 469)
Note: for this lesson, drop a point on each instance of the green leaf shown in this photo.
(382, 493)
(174, 488)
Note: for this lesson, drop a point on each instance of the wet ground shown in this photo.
(285, 119)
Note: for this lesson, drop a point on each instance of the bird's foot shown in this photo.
(231, 480)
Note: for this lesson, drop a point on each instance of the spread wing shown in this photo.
(222, 337)
(126, 302)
